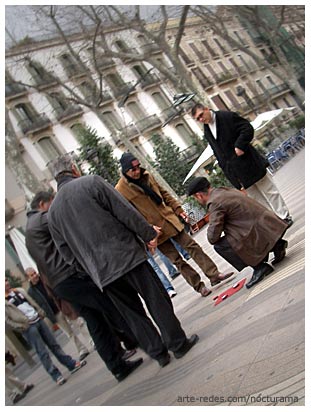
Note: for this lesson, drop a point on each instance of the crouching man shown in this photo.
(242, 231)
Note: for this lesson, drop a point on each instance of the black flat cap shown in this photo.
(197, 185)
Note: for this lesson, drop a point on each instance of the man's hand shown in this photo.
(238, 151)
(152, 245)
(184, 216)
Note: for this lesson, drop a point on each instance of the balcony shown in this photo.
(148, 123)
(226, 77)
(130, 131)
(151, 48)
(73, 70)
(206, 83)
(149, 80)
(128, 59)
(44, 80)
(190, 154)
(14, 90)
(104, 63)
(170, 114)
(122, 90)
(70, 112)
(35, 124)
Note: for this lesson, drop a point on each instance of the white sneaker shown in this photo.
(172, 293)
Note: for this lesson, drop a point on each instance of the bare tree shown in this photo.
(270, 31)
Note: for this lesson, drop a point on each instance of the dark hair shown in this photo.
(40, 197)
(196, 107)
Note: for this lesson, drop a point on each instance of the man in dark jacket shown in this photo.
(93, 225)
(230, 137)
(250, 230)
(105, 324)
(39, 293)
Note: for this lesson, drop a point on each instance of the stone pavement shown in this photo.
(251, 348)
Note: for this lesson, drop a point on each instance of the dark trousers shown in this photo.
(103, 320)
(206, 264)
(125, 291)
(223, 248)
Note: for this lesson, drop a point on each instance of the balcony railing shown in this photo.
(171, 113)
(122, 90)
(226, 77)
(151, 48)
(190, 154)
(14, 89)
(149, 80)
(130, 131)
(71, 111)
(105, 63)
(34, 124)
(148, 123)
(44, 80)
(73, 70)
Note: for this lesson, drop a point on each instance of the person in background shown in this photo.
(24, 315)
(39, 293)
(166, 283)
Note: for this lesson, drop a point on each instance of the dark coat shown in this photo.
(164, 215)
(250, 228)
(42, 301)
(92, 223)
(42, 249)
(235, 131)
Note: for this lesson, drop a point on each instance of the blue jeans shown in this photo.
(169, 265)
(181, 250)
(39, 336)
(166, 283)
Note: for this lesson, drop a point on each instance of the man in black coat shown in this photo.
(105, 324)
(230, 137)
(95, 227)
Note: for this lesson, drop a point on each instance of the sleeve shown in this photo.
(167, 198)
(61, 245)
(122, 210)
(216, 223)
(244, 131)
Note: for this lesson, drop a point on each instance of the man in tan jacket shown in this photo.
(24, 315)
(159, 208)
(242, 230)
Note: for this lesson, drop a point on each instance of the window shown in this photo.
(136, 111)
(111, 121)
(184, 132)
(196, 51)
(209, 48)
(160, 100)
(48, 149)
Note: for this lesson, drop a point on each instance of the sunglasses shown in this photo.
(133, 169)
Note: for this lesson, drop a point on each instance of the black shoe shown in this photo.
(279, 251)
(186, 346)
(83, 356)
(259, 274)
(18, 397)
(164, 360)
(128, 353)
(289, 221)
(174, 276)
(28, 388)
(128, 368)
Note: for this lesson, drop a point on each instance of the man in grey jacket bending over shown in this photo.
(93, 225)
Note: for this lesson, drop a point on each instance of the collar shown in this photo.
(64, 179)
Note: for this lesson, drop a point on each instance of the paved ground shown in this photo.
(251, 348)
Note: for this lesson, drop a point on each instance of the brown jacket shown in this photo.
(250, 228)
(164, 215)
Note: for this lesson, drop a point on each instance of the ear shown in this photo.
(75, 171)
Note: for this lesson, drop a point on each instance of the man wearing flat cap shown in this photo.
(242, 231)
(159, 208)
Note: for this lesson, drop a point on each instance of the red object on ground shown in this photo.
(229, 292)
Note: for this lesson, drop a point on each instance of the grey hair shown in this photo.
(62, 165)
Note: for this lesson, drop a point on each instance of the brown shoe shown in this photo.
(222, 276)
(205, 292)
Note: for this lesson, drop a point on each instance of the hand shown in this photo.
(184, 216)
(238, 151)
(158, 230)
(152, 245)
